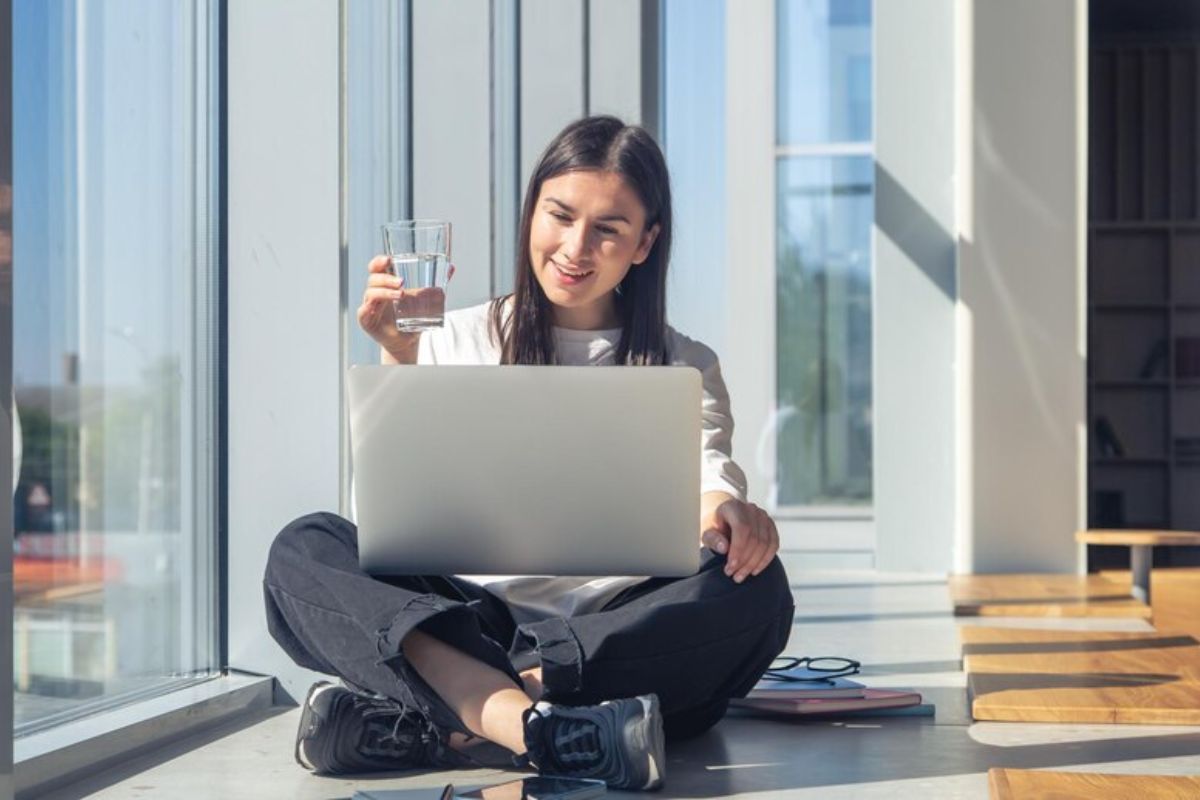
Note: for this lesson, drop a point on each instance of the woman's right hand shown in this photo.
(377, 317)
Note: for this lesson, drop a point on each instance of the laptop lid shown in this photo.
(526, 470)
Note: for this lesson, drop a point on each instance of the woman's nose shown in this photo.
(575, 242)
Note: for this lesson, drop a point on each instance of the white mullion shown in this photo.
(750, 347)
(825, 149)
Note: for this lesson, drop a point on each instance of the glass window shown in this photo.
(694, 140)
(824, 210)
(823, 301)
(824, 71)
(115, 352)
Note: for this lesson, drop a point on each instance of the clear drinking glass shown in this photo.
(420, 253)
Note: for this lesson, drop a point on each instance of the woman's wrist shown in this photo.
(406, 356)
(709, 503)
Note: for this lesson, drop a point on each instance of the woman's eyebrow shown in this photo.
(606, 218)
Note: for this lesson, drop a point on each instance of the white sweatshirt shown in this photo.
(465, 339)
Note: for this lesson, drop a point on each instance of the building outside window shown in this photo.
(115, 353)
(824, 208)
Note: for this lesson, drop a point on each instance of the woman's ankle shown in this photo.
(531, 679)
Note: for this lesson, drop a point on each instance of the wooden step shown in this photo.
(1043, 596)
(1176, 601)
(1082, 676)
(1027, 784)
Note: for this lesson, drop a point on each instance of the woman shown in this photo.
(574, 676)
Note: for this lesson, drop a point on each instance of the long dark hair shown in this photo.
(605, 144)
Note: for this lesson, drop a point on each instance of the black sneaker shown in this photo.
(619, 741)
(344, 731)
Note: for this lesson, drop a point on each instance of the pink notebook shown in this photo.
(871, 699)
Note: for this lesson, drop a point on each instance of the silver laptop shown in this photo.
(526, 470)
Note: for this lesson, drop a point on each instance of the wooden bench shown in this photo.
(1141, 544)
(1022, 675)
(1026, 784)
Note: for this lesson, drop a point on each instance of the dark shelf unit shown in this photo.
(1144, 291)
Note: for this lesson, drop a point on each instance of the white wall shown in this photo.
(284, 364)
(615, 59)
(552, 74)
(914, 285)
(748, 360)
(1021, 267)
(451, 134)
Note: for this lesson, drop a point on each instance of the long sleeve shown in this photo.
(718, 471)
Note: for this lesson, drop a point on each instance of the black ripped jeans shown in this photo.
(695, 641)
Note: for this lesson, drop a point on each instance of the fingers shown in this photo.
(772, 541)
(382, 286)
(742, 543)
(374, 297)
(752, 550)
(373, 310)
(754, 540)
(714, 540)
(383, 280)
(368, 316)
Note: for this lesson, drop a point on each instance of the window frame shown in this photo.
(201, 444)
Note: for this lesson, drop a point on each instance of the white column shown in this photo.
(553, 63)
(284, 315)
(915, 285)
(1022, 285)
(451, 135)
(748, 362)
(615, 64)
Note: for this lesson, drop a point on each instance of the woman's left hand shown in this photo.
(743, 531)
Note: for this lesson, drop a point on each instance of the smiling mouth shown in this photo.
(574, 275)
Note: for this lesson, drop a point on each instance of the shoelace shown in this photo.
(571, 742)
(427, 740)
(380, 738)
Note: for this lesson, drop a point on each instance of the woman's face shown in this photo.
(588, 231)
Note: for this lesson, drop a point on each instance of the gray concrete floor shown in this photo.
(899, 626)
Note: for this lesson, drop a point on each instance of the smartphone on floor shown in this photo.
(543, 787)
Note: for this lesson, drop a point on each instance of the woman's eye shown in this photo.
(606, 230)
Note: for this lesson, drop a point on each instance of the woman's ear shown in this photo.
(644, 246)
